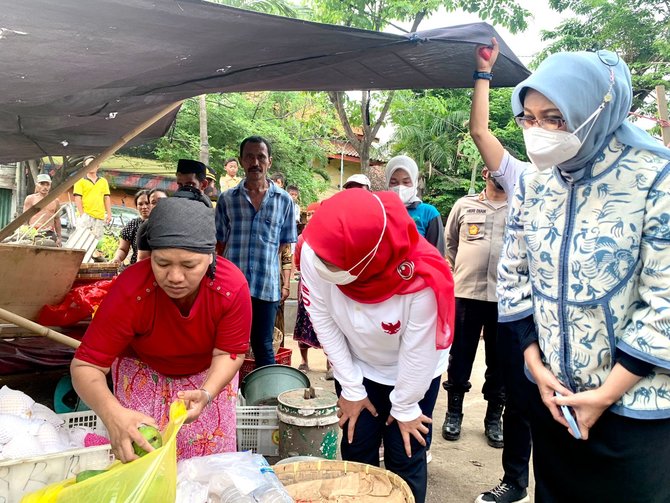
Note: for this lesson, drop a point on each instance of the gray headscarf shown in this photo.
(179, 223)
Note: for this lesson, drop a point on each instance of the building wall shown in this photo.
(120, 197)
(333, 168)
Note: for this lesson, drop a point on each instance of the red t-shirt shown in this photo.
(138, 319)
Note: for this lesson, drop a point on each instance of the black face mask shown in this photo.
(496, 183)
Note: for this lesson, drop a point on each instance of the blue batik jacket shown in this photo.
(591, 262)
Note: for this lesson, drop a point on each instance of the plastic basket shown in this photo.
(283, 357)
(21, 476)
(84, 419)
(258, 430)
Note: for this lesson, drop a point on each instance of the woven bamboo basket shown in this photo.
(305, 475)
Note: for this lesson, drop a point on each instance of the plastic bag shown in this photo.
(79, 303)
(240, 477)
(150, 478)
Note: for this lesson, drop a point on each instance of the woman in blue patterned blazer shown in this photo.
(584, 281)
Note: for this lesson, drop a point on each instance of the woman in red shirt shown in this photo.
(174, 326)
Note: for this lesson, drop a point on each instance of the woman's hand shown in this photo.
(486, 56)
(415, 428)
(546, 382)
(349, 411)
(548, 386)
(588, 407)
(196, 400)
(122, 428)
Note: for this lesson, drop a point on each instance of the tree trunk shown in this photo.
(370, 130)
(204, 137)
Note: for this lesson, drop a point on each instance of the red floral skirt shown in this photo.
(139, 387)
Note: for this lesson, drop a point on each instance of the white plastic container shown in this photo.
(258, 429)
(21, 476)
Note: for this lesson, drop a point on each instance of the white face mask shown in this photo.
(405, 193)
(551, 148)
(341, 277)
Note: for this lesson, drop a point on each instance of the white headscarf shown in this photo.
(408, 164)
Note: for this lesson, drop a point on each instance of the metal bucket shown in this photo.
(263, 385)
(308, 423)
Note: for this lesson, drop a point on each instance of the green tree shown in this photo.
(294, 123)
(276, 7)
(377, 15)
(638, 30)
(432, 128)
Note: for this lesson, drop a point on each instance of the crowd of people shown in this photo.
(558, 264)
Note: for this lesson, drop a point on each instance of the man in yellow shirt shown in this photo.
(230, 179)
(93, 201)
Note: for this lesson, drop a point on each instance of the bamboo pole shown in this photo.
(38, 329)
(663, 113)
(70, 181)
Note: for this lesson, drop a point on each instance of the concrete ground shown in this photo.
(460, 470)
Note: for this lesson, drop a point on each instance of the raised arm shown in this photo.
(488, 145)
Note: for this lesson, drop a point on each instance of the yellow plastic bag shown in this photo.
(151, 478)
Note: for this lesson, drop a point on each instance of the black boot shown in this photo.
(493, 424)
(451, 429)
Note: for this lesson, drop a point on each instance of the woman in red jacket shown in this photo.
(174, 326)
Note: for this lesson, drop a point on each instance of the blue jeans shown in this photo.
(370, 431)
(263, 315)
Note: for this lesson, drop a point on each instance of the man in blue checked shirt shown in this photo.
(254, 221)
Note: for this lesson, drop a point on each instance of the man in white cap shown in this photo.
(46, 220)
(358, 181)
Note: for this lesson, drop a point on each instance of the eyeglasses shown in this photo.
(550, 123)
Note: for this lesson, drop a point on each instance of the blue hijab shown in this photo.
(576, 82)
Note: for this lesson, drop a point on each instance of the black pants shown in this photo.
(623, 461)
(370, 431)
(471, 317)
(263, 315)
(516, 426)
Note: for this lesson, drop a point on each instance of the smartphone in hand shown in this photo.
(570, 418)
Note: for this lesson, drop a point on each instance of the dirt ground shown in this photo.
(460, 470)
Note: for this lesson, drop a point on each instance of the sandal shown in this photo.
(303, 367)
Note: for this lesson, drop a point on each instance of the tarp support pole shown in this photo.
(70, 181)
(38, 329)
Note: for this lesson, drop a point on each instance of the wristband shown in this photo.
(209, 395)
(482, 75)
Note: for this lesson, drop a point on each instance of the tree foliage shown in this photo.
(432, 128)
(378, 14)
(638, 30)
(294, 123)
(276, 7)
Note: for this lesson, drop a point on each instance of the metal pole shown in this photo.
(342, 169)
